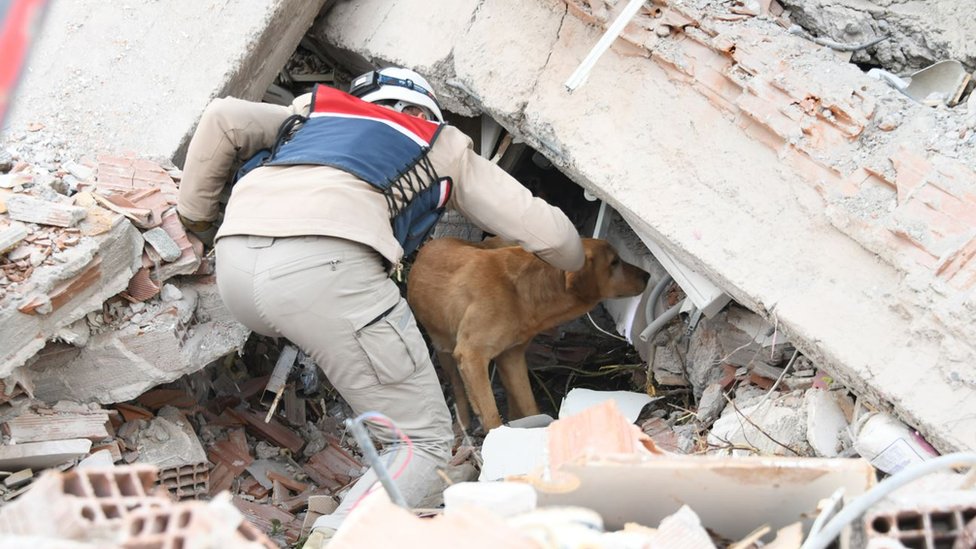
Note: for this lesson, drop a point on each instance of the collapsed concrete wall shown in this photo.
(822, 199)
(114, 96)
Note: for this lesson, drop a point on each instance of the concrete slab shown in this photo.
(137, 77)
(119, 364)
(755, 158)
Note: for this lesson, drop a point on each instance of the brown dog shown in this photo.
(485, 301)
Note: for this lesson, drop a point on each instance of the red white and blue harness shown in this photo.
(380, 146)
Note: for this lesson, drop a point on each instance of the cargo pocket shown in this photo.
(392, 344)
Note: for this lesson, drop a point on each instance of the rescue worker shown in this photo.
(306, 246)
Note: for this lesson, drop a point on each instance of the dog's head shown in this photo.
(604, 275)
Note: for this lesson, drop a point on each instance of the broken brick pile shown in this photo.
(97, 271)
(201, 437)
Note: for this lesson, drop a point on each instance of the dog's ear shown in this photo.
(583, 283)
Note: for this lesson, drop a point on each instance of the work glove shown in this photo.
(203, 230)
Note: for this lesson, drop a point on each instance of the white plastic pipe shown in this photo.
(579, 76)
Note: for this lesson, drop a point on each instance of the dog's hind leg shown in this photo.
(515, 377)
(450, 368)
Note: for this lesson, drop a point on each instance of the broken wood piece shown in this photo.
(43, 212)
(11, 235)
(34, 427)
(231, 457)
(18, 479)
(41, 455)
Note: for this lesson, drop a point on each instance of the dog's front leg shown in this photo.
(473, 365)
(515, 378)
(450, 368)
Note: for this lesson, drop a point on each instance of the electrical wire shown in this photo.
(857, 507)
(593, 322)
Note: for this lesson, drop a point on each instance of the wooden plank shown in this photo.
(33, 427)
(44, 212)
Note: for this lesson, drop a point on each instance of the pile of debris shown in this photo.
(103, 295)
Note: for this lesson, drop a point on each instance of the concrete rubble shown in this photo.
(810, 227)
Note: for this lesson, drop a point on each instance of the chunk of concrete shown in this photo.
(120, 364)
(44, 212)
(825, 422)
(711, 404)
(41, 455)
(101, 265)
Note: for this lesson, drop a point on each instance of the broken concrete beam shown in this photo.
(41, 455)
(53, 425)
(44, 212)
(170, 444)
(868, 222)
(120, 364)
(95, 269)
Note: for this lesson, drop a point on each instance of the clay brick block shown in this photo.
(185, 525)
(231, 457)
(600, 429)
(274, 432)
(333, 468)
(269, 518)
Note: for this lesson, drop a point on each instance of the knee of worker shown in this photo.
(434, 443)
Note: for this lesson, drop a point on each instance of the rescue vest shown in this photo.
(380, 146)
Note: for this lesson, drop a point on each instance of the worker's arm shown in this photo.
(495, 201)
(230, 130)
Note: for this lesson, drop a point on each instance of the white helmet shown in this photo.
(396, 84)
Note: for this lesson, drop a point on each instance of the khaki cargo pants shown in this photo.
(333, 299)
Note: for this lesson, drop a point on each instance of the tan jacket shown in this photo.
(280, 201)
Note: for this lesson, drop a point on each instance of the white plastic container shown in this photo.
(889, 444)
